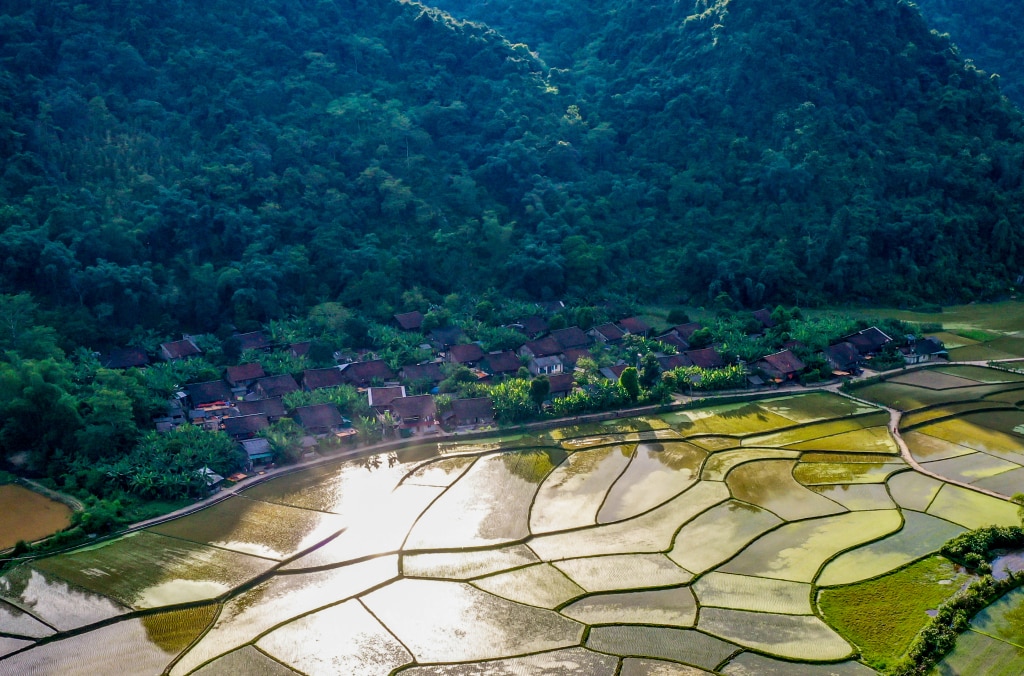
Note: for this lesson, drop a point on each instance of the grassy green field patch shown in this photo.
(882, 616)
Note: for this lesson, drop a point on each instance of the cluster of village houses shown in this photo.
(247, 400)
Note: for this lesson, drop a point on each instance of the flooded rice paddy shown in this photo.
(690, 543)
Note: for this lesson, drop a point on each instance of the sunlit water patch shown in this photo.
(567, 662)
(657, 472)
(573, 493)
(489, 505)
(921, 535)
(281, 598)
(540, 585)
(342, 639)
(146, 570)
(857, 497)
(796, 637)
(770, 484)
(15, 621)
(453, 621)
(641, 666)
(760, 594)
(144, 645)
(56, 601)
(624, 571)
(971, 509)
(380, 530)
(719, 534)
(681, 645)
(650, 532)
(796, 551)
(248, 661)
(720, 464)
(666, 607)
(912, 490)
(255, 527)
(463, 565)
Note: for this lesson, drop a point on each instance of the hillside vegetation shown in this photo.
(170, 167)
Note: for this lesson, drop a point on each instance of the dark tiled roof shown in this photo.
(125, 358)
(708, 358)
(384, 396)
(277, 386)
(503, 362)
(634, 325)
(686, 330)
(869, 340)
(764, 316)
(315, 379)
(613, 372)
(430, 371)
(611, 332)
(574, 355)
(446, 335)
(272, 408)
(208, 392)
(674, 361)
(245, 425)
(362, 373)
(300, 349)
(929, 346)
(254, 340)
(318, 416)
(421, 406)
(571, 337)
(561, 382)
(180, 349)
(464, 354)
(533, 325)
(672, 338)
(784, 362)
(243, 372)
(410, 321)
(543, 347)
(843, 356)
(479, 409)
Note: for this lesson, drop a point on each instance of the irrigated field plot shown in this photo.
(678, 545)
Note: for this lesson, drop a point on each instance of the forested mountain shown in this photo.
(989, 33)
(179, 166)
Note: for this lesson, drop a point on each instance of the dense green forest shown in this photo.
(986, 32)
(167, 168)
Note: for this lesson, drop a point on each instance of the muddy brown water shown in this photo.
(26, 515)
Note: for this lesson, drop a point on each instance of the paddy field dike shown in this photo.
(777, 536)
